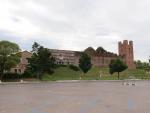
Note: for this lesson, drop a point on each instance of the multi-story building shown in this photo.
(65, 56)
(101, 60)
(72, 57)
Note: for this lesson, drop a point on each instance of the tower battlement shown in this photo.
(125, 50)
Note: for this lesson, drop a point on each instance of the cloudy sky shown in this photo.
(77, 24)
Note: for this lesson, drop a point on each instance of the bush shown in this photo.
(59, 65)
(10, 76)
(62, 65)
(27, 74)
(73, 67)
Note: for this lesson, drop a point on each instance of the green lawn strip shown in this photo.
(62, 73)
(65, 73)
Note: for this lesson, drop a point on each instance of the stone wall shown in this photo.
(72, 57)
(66, 57)
(102, 61)
(125, 50)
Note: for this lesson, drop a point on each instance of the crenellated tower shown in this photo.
(125, 49)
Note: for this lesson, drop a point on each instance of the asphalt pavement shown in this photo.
(75, 97)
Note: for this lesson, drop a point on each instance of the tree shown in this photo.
(35, 47)
(85, 63)
(142, 65)
(9, 56)
(41, 60)
(90, 51)
(117, 65)
(100, 50)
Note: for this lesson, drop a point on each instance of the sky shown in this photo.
(77, 24)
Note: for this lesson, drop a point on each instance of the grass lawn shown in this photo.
(62, 73)
(65, 73)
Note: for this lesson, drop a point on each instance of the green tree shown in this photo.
(85, 63)
(9, 56)
(142, 65)
(90, 51)
(41, 60)
(100, 50)
(118, 66)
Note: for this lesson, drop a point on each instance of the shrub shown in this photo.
(62, 65)
(27, 74)
(10, 76)
(73, 67)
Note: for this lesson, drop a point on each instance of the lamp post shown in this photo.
(149, 60)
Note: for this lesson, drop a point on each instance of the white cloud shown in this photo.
(77, 24)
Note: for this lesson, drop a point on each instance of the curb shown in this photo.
(13, 83)
(63, 81)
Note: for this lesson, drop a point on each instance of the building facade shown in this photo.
(103, 60)
(21, 67)
(125, 50)
(66, 57)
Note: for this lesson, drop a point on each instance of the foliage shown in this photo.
(90, 51)
(16, 76)
(85, 62)
(142, 65)
(60, 65)
(117, 65)
(41, 60)
(11, 76)
(73, 67)
(35, 47)
(100, 50)
(27, 74)
(9, 56)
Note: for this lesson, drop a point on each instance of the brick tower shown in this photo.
(126, 52)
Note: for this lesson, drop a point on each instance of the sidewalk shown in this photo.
(63, 81)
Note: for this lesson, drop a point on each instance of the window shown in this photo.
(15, 70)
(19, 71)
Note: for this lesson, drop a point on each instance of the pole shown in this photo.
(149, 60)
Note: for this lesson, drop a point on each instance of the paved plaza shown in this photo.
(75, 97)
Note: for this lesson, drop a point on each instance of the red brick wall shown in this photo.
(126, 52)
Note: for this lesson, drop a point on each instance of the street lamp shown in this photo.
(149, 60)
